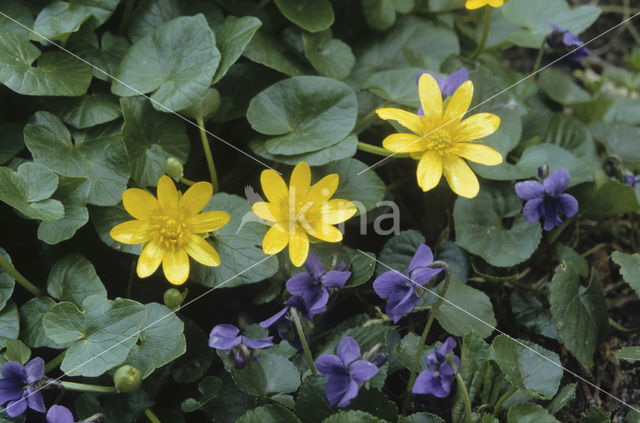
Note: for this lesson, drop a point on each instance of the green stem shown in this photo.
(186, 181)
(485, 33)
(630, 27)
(425, 332)
(303, 341)
(380, 151)
(83, 387)
(53, 364)
(151, 416)
(207, 154)
(463, 388)
(536, 68)
(126, 15)
(8, 267)
(502, 399)
(93, 418)
(369, 116)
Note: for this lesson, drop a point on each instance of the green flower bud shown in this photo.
(127, 379)
(174, 168)
(174, 298)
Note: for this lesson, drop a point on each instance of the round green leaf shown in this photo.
(60, 18)
(340, 150)
(32, 331)
(73, 194)
(270, 374)
(529, 413)
(88, 110)
(399, 250)
(312, 15)
(305, 113)
(232, 39)
(629, 268)
(6, 282)
(9, 323)
(73, 278)
(268, 414)
(330, 57)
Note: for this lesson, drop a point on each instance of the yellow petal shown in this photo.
(476, 127)
(475, 4)
(207, 221)
(274, 187)
(407, 119)
(276, 238)
(429, 170)
(496, 3)
(268, 211)
(176, 266)
(325, 233)
(131, 232)
(404, 143)
(430, 97)
(196, 197)
(150, 259)
(324, 188)
(201, 251)
(139, 203)
(459, 103)
(298, 247)
(331, 212)
(300, 181)
(167, 193)
(461, 178)
(477, 153)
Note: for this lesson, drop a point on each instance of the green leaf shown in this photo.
(330, 57)
(28, 191)
(176, 62)
(9, 323)
(57, 74)
(340, 150)
(629, 353)
(563, 398)
(232, 39)
(267, 51)
(60, 18)
(86, 111)
(561, 88)
(103, 333)
(312, 405)
(73, 194)
(395, 85)
(530, 313)
(104, 53)
(73, 278)
(399, 250)
(97, 154)
(421, 418)
(31, 314)
(606, 197)
(529, 413)
(481, 229)
(376, 403)
(619, 139)
(573, 259)
(312, 15)
(270, 374)
(304, 114)
(238, 245)
(20, 11)
(379, 14)
(572, 135)
(593, 415)
(106, 218)
(268, 414)
(160, 342)
(351, 183)
(352, 416)
(579, 312)
(533, 16)
(16, 351)
(151, 138)
(7, 282)
(475, 302)
(525, 366)
(209, 387)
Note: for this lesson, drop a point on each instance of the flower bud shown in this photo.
(379, 359)
(174, 168)
(127, 379)
(174, 298)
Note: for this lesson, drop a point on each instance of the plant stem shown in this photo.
(463, 388)
(93, 418)
(207, 154)
(366, 118)
(55, 362)
(630, 27)
(8, 267)
(379, 150)
(303, 341)
(536, 67)
(83, 387)
(425, 332)
(128, 8)
(151, 416)
(485, 33)
(186, 181)
(502, 399)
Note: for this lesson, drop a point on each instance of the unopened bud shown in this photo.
(127, 379)
(174, 168)
(173, 298)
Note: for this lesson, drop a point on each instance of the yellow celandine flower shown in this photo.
(171, 228)
(476, 4)
(299, 211)
(443, 139)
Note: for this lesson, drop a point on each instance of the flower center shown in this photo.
(171, 232)
(439, 140)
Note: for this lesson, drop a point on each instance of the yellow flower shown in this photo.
(476, 4)
(443, 139)
(300, 210)
(171, 228)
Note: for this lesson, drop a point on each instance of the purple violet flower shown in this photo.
(314, 284)
(59, 414)
(284, 321)
(400, 290)
(631, 180)
(17, 387)
(448, 85)
(547, 199)
(569, 40)
(437, 378)
(225, 337)
(345, 372)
